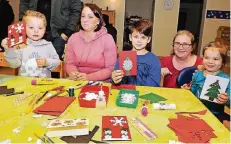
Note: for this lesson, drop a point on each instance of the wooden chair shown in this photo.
(4, 67)
(60, 70)
(162, 78)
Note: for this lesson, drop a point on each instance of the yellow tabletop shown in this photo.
(11, 115)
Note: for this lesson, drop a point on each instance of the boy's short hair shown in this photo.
(221, 48)
(32, 13)
(143, 26)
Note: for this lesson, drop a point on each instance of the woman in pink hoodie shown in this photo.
(91, 52)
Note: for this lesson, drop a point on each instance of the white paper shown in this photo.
(210, 79)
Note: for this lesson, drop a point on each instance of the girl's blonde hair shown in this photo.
(187, 33)
(32, 13)
(221, 48)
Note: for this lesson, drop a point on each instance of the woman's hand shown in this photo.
(222, 98)
(73, 75)
(117, 76)
(165, 71)
(199, 68)
(82, 76)
(186, 86)
(4, 43)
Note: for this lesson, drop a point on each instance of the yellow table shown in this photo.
(11, 116)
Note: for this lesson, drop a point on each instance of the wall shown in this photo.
(209, 26)
(119, 22)
(165, 27)
(144, 10)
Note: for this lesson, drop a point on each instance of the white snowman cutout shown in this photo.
(31, 69)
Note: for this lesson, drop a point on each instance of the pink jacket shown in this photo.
(96, 58)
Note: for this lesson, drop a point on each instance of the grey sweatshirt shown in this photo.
(25, 58)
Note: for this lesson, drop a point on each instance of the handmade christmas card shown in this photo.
(212, 87)
(68, 127)
(16, 34)
(128, 62)
(115, 128)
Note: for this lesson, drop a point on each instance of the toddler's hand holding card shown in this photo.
(16, 34)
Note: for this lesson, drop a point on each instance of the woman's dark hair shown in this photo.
(97, 12)
(143, 26)
(221, 48)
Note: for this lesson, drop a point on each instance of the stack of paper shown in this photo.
(191, 129)
(55, 106)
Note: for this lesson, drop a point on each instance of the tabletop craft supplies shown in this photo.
(115, 128)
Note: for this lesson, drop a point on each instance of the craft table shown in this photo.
(11, 116)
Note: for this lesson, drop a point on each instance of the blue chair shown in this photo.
(185, 75)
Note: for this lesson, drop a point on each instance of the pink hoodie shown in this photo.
(96, 58)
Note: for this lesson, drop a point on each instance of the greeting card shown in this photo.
(128, 62)
(212, 87)
(115, 128)
(16, 34)
(68, 127)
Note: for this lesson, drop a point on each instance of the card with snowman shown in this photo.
(115, 128)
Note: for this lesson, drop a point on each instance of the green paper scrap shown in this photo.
(154, 98)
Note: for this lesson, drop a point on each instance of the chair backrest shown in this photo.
(185, 75)
(60, 70)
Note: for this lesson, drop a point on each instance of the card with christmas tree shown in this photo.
(212, 87)
(16, 34)
(115, 128)
(128, 62)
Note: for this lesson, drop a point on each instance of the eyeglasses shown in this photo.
(184, 45)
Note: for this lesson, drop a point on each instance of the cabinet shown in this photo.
(111, 14)
(223, 37)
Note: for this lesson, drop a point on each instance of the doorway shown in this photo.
(145, 10)
(190, 15)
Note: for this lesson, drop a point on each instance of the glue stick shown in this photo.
(163, 106)
(42, 82)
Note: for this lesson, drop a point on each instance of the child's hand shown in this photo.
(117, 76)
(186, 86)
(73, 75)
(200, 68)
(41, 62)
(165, 71)
(222, 98)
(82, 76)
(4, 43)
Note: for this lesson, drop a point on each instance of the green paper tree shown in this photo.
(153, 98)
(213, 91)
